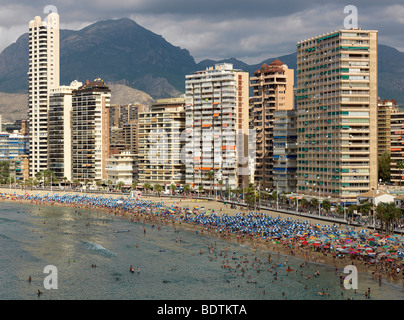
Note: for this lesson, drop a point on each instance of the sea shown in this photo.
(91, 253)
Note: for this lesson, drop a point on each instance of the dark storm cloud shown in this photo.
(249, 30)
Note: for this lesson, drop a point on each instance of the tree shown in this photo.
(389, 214)
(158, 188)
(314, 202)
(210, 175)
(251, 197)
(304, 202)
(4, 171)
(340, 209)
(220, 183)
(146, 186)
(186, 188)
(119, 185)
(200, 188)
(326, 205)
(365, 208)
(134, 185)
(384, 162)
(173, 187)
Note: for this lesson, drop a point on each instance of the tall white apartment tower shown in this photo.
(43, 75)
(217, 131)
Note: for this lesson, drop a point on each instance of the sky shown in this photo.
(251, 31)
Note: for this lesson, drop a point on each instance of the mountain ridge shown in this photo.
(123, 52)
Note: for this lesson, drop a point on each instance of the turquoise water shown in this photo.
(173, 265)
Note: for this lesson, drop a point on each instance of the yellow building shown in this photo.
(384, 110)
(160, 144)
(336, 98)
(273, 91)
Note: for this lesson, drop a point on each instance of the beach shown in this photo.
(302, 245)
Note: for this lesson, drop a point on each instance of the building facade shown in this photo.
(273, 90)
(60, 130)
(123, 123)
(284, 151)
(43, 75)
(90, 134)
(397, 149)
(160, 143)
(384, 110)
(336, 98)
(217, 128)
(121, 167)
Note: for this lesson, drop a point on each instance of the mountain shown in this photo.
(16, 104)
(118, 51)
(123, 52)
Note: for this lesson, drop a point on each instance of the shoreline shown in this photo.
(254, 242)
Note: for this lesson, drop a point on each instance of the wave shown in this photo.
(99, 249)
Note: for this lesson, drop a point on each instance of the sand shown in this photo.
(255, 243)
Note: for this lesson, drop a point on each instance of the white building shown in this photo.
(120, 167)
(43, 75)
(374, 197)
(217, 123)
(60, 130)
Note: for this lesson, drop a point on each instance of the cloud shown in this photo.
(248, 30)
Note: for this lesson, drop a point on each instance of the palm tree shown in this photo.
(365, 208)
(220, 182)
(119, 185)
(146, 186)
(200, 188)
(134, 185)
(326, 204)
(210, 175)
(158, 188)
(173, 187)
(98, 183)
(389, 214)
(186, 188)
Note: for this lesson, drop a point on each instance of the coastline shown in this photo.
(279, 247)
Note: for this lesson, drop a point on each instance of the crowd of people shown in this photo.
(338, 245)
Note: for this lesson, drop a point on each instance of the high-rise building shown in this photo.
(43, 75)
(60, 130)
(384, 110)
(123, 124)
(217, 128)
(273, 91)
(336, 98)
(160, 143)
(284, 151)
(397, 149)
(90, 134)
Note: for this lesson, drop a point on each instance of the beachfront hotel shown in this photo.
(336, 99)
(160, 143)
(121, 167)
(60, 130)
(384, 110)
(397, 149)
(273, 91)
(217, 126)
(43, 75)
(90, 133)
